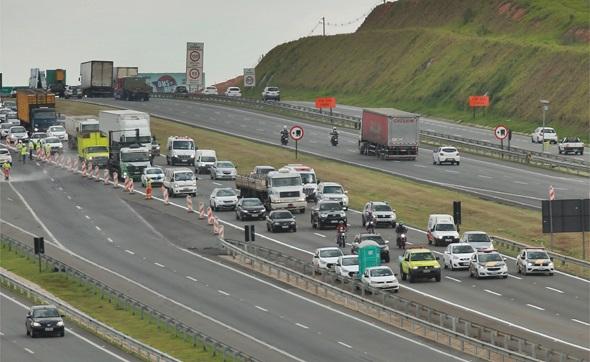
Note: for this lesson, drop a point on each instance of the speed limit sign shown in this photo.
(296, 133)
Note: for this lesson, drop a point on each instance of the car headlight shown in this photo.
(292, 222)
(414, 267)
(124, 174)
(60, 324)
(322, 215)
(192, 156)
(175, 185)
(481, 267)
(275, 223)
(36, 324)
(529, 264)
(436, 267)
(551, 265)
(386, 248)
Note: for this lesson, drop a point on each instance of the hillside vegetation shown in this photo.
(428, 56)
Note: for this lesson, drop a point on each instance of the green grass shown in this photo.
(85, 298)
(413, 201)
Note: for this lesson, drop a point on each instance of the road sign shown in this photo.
(296, 133)
(249, 77)
(479, 101)
(501, 132)
(326, 102)
(193, 74)
(194, 65)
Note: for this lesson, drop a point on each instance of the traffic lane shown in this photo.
(76, 345)
(489, 179)
(173, 277)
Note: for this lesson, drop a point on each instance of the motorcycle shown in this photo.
(401, 240)
(371, 226)
(341, 239)
(334, 140)
(284, 139)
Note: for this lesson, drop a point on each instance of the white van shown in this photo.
(180, 150)
(441, 230)
(204, 159)
(180, 181)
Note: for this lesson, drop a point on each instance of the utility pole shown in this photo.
(324, 26)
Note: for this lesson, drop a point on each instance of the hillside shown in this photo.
(428, 56)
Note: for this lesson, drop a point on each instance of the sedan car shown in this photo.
(381, 211)
(487, 263)
(380, 277)
(17, 133)
(457, 256)
(210, 90)
(223, 199)
(58, 131)
(281, 220)
(44, 320)
(347, 266)
(326, 258)
(223, 170)
(446, 154)
(383, 244)
(477, 239)
(54, 143)
(534, 261)
(250, 208)
(546, 134)
(153, 174)
(233, 92)
(36, 137)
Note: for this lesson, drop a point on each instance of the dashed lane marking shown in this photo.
(262, 309)
(320, 235)
(535, 307)
(555, 290)
(222, 292)
(160, 265)
(581, 322)
(191, 278)
(453, 279)
(129, 252)
(30, 351)
(301, 325)
(97, 227)
(492, 292)
(344, 344)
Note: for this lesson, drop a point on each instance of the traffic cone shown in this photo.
(148, 190)
(106, 176)
(215, 226)
(165, 196)
(96, 174)
(75, 166)
(126, 184)
(209, 216)
(131, 186)
(201, 210)
(84, 168)
(221, 232)
(115, 179)
(189, 203)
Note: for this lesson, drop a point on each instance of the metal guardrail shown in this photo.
(164, 321)
(454, 331)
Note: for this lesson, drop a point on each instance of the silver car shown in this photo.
(223, 170)
(478, 239)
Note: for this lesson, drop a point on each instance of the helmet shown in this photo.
(333, 128)
(284, 127)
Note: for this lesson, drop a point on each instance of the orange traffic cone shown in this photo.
(148, 190)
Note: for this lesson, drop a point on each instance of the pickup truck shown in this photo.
(570, 145)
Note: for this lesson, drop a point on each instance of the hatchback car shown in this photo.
(347, 266)
(326, 258)
(250, 208)
(457, 256)
(271, 93)
(44, 320)
(5, 156)
(58, 131)
(380, 277)
(223, 170)
(487, 263)
(153, 174)
(446, 154)
(381, 211)
(223, 199)
(477, 239)
(233, 92)
(383, 244)
(17, 133)
(534, 261)
(546, 134)
(281, 220)
(210, 91)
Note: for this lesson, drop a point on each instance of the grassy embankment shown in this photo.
(88, 300)
(429, 56)
(413, 201)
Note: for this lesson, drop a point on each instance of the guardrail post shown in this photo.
(468, 328)
(454, 324)
(520, 345)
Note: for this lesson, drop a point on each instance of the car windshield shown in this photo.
(38, 135)
(183, 145)
(422, 256)
(233, 89)
(45, 313)
(135, 157)
(548, 130)
(537, 255)
(97, 149)
(282, 215)
(463, 249)
(57, 129)
(286, 181)
(376, 238)
(17, 129)
(445, 227)
(225, 164)
(273, 89)
(381, 272)
(207, 159)
(333, 190)
(484, 258)
(153, 171)
(252, 202)
(183, 176)
(4, 151)
(478, 238)
(308, 178)
(382, 208)
(350, 261)
(449, 150)
(330, 253)
(226, 192)
(571, 139)
(52, 140)
(329, 206)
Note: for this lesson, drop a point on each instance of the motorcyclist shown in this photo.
(370, 223)
(341, 229)
(401, 228)
(334, 136)
(284, 135)
(401, 231)
(334, 132)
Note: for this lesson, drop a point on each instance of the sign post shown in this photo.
(194, 65)
(39, 247)
(296, 133)
(478, 102)
(501, 133)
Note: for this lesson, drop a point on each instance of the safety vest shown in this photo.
(47, 148)
(23, 150)
(31, 145)
(6, 166)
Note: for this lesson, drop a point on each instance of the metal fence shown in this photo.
(457, 332)
(143, 311)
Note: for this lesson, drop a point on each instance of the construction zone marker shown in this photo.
(216, 225)
(165, 196)
(189, 204)
(210, 216)
(115, 179)
(201, 210)
(106, 176)
(96, 174)
(148, 190)
(75, 165)
(84, 168)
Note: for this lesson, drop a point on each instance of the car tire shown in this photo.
(523, 271)
(433, 162)
(470, 273)
(386, 259)
(551, 274)
(504, 276)
(33, 334)
(167, 161)
(437, 278)
(363, 220)
(27, 331)
(237, 216)
(458, 163)
(477, 276)
(62, 334)
(404, 276)
(411, 278)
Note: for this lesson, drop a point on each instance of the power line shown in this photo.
(325, 23)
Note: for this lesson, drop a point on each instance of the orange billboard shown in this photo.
(325, 102)
(479, 101)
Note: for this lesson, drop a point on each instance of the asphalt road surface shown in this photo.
(501, 181)
(77, 345)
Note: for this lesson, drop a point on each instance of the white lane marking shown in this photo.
(453, 279)
(110, 240)
(484, 176)
(52, 179)
(417, 165)
(217, 183)
(320, 235)
(71, 331)
(451, 171)
(344, 344)
(520, 182)
(78, 207)
(87, 217)
(581, 322)
(301, 325)
(9, 199)
(37, 219)
(97, 228)
(69, 197)
(1, 334)
(492, 292)
(160, 265)
(129, 252)
(514, 276)
(222, 292)
(191, 278)
(30, 351)
(555, 290)
(262, 309)
(60, 188)
(534, 306)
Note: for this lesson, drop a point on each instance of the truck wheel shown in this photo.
(581, 152)
(302, 211)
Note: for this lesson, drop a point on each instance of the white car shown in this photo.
(446, 154)
(223, 198)
(233, 92)
(271, 93)
(477, 239)
(154, 174)
(457, 256)
(544, 134)
(210, 90)
(223, 170)
(17, 133)
(381, 211)
(4, 129)
(36, 137)
(534, 260)
(487, 263)
(55, 144)
(325, 258)
(334, 192)
(59, 132)
(5, 156)
(380, 277)
(347, 266)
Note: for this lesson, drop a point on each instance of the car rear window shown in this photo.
(273, 89)
(449, 150)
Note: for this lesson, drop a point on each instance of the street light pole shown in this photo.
(545, 106)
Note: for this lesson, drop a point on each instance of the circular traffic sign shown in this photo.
(296, 133)
(501, 132)
(194, 55)
(249, 80)
(194, 73)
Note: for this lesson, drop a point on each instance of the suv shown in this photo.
(326, 213)
(383, 244)
(250, 208)
(44, 319)
(332, 191)
(281, 220)
(446, 154)
(271, 93)
(419, 263)
(487, 263)
(534, 260)
(544, 134)
(381, 211)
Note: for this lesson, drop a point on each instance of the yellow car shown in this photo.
(419, 263)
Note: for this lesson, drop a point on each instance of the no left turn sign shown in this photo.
(501, 132)
(296, 133)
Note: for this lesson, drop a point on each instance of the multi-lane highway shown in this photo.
(485, 177)
(77, 345)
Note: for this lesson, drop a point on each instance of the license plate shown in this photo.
(425, 271)
(284, 226)
(333, 221)
(254, 214)
(48, 329)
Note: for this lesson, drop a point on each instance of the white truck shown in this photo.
(180, 149)
(308, 178)
(280, 189)
(570, 145)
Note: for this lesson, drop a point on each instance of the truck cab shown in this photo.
(308, 178)
(130, 161)
(180, 181)
(285, 190)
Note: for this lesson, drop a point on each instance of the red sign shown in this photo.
(479, 101)
(326, 102)
(296, 133)
(501, 132)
